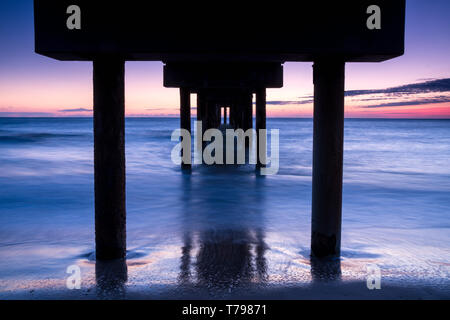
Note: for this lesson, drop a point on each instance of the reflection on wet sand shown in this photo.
(325, 269)
(224, 259)
(111, 277)
(223, 256)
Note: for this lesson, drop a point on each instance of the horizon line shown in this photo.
(177, 117)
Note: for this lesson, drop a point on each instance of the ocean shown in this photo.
(224, 232)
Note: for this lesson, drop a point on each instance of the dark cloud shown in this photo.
(165, 109)
(75, 110)
(426, 79)
(417, 102)
(155, 109)
(287, 102)
(440, 85)
(25, 114)
(405, 91)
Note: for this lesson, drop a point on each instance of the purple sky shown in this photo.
(35, 85)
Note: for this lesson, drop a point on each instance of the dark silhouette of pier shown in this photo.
(225, 56)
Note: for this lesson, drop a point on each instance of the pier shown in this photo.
(225, 58)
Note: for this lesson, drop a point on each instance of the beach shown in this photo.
(225, 232)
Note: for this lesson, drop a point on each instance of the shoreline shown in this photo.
(354, 290)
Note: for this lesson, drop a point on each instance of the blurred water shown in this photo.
(222, 228)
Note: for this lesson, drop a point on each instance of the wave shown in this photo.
(34, 137)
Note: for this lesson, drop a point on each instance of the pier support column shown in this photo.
(233, 113)
(248, 110)
(109, 158)
(327, 157)
(213, 114)
(225, 115)
(185, 119)
(201, 109)
(261, 124)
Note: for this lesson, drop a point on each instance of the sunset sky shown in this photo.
(416, 85)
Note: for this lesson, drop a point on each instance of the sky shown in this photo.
(416, 85)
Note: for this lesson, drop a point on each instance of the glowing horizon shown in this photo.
(408, 101)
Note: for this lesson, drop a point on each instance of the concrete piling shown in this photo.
(260, 124)
(109, 158)
(327, 157)
(185, 119)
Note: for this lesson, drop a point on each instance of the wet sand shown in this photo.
(317, 291)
